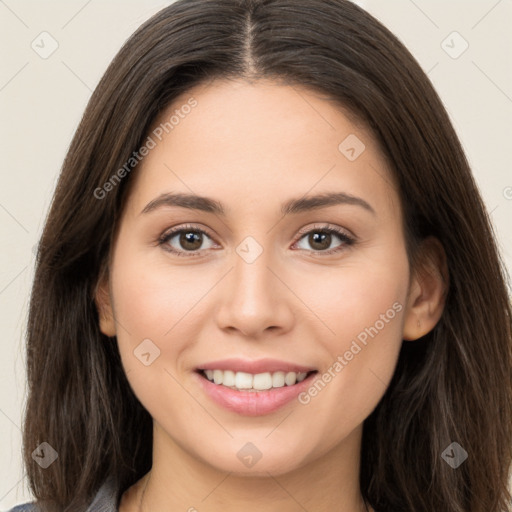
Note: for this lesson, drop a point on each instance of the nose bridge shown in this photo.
(254, 298)
(252, 281)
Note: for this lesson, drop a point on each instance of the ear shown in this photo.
(104, 305)
(427, 290)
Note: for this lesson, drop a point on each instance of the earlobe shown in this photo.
(427, 292)
(104, 307)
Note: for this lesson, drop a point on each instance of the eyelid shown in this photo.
(326, 227)
(344, 235)
(347, 238)
(170, 233)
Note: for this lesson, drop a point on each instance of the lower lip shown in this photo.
(253, 403)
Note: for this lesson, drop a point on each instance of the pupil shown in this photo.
(318, 238)
(189, 238)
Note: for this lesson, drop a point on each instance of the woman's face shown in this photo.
(257, 278)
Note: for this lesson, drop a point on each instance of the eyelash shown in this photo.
(346, 239)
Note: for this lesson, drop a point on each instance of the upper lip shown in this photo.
(255, 366)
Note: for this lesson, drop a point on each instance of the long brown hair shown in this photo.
(453, 385)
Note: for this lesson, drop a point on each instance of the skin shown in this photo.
(252, 147)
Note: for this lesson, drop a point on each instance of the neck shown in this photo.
(179, 481)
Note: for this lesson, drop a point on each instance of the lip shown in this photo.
(252, 403)
(258, 366)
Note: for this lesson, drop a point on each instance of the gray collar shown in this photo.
(106, 499)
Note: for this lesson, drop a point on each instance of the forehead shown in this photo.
(248, 142)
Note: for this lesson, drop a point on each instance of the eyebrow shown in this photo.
(293, 206)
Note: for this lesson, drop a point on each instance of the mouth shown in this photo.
(258, 382)
(252, 387)
(254, 394)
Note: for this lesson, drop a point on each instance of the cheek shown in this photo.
(363, 306)
(151, 294)
(153, 305)
(361, 299)
(353, 296)
(153, 301)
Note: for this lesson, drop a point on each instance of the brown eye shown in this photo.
(190, 240)
(320, 240)
(184, 240)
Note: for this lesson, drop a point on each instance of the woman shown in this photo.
(267, 280)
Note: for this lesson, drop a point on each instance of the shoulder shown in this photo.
(105, 500)
(25, 507)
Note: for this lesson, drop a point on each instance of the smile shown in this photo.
(253, 382)
(253, 394)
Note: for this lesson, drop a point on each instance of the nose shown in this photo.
(255, 298)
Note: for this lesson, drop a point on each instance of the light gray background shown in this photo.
(42, 100)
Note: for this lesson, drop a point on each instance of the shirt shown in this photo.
(106, 500)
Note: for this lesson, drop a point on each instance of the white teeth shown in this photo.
(242, 380)
(257, 382)
(301, 376)
(262, 381)
(278, 380)
(290, 378)
(217, 376)
(229, 378)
